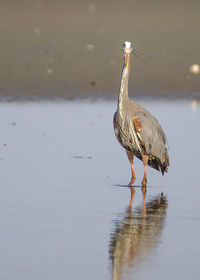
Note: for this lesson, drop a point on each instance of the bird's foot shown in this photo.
(144, 182)
(132, 181)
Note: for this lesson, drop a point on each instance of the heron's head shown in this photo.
(127, 49)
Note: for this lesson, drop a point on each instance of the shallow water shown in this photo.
(65, 209)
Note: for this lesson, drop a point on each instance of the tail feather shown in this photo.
(157, 164)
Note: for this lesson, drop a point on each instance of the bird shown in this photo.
(136, 129)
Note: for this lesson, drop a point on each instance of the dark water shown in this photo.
(65, 210)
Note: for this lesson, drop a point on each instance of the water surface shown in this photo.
(65, 210)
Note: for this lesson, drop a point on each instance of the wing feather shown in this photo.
(150, 134)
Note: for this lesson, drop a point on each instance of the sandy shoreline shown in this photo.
(73, 48)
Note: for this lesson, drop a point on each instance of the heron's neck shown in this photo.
(123, 93)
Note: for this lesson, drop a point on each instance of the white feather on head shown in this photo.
(127, 44)
(127, 47)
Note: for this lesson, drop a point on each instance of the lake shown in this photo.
(66, 210)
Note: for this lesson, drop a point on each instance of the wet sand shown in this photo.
(64, 205)
(73, 48)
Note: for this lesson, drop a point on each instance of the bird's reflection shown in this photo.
(136, 234)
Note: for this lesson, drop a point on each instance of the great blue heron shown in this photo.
(136, 129)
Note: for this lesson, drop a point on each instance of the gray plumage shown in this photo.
(137, 130)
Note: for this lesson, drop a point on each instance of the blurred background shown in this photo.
(56, 49)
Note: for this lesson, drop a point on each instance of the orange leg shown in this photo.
(132, 197)
(130, 157)
(144, 206)
(145, 161)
